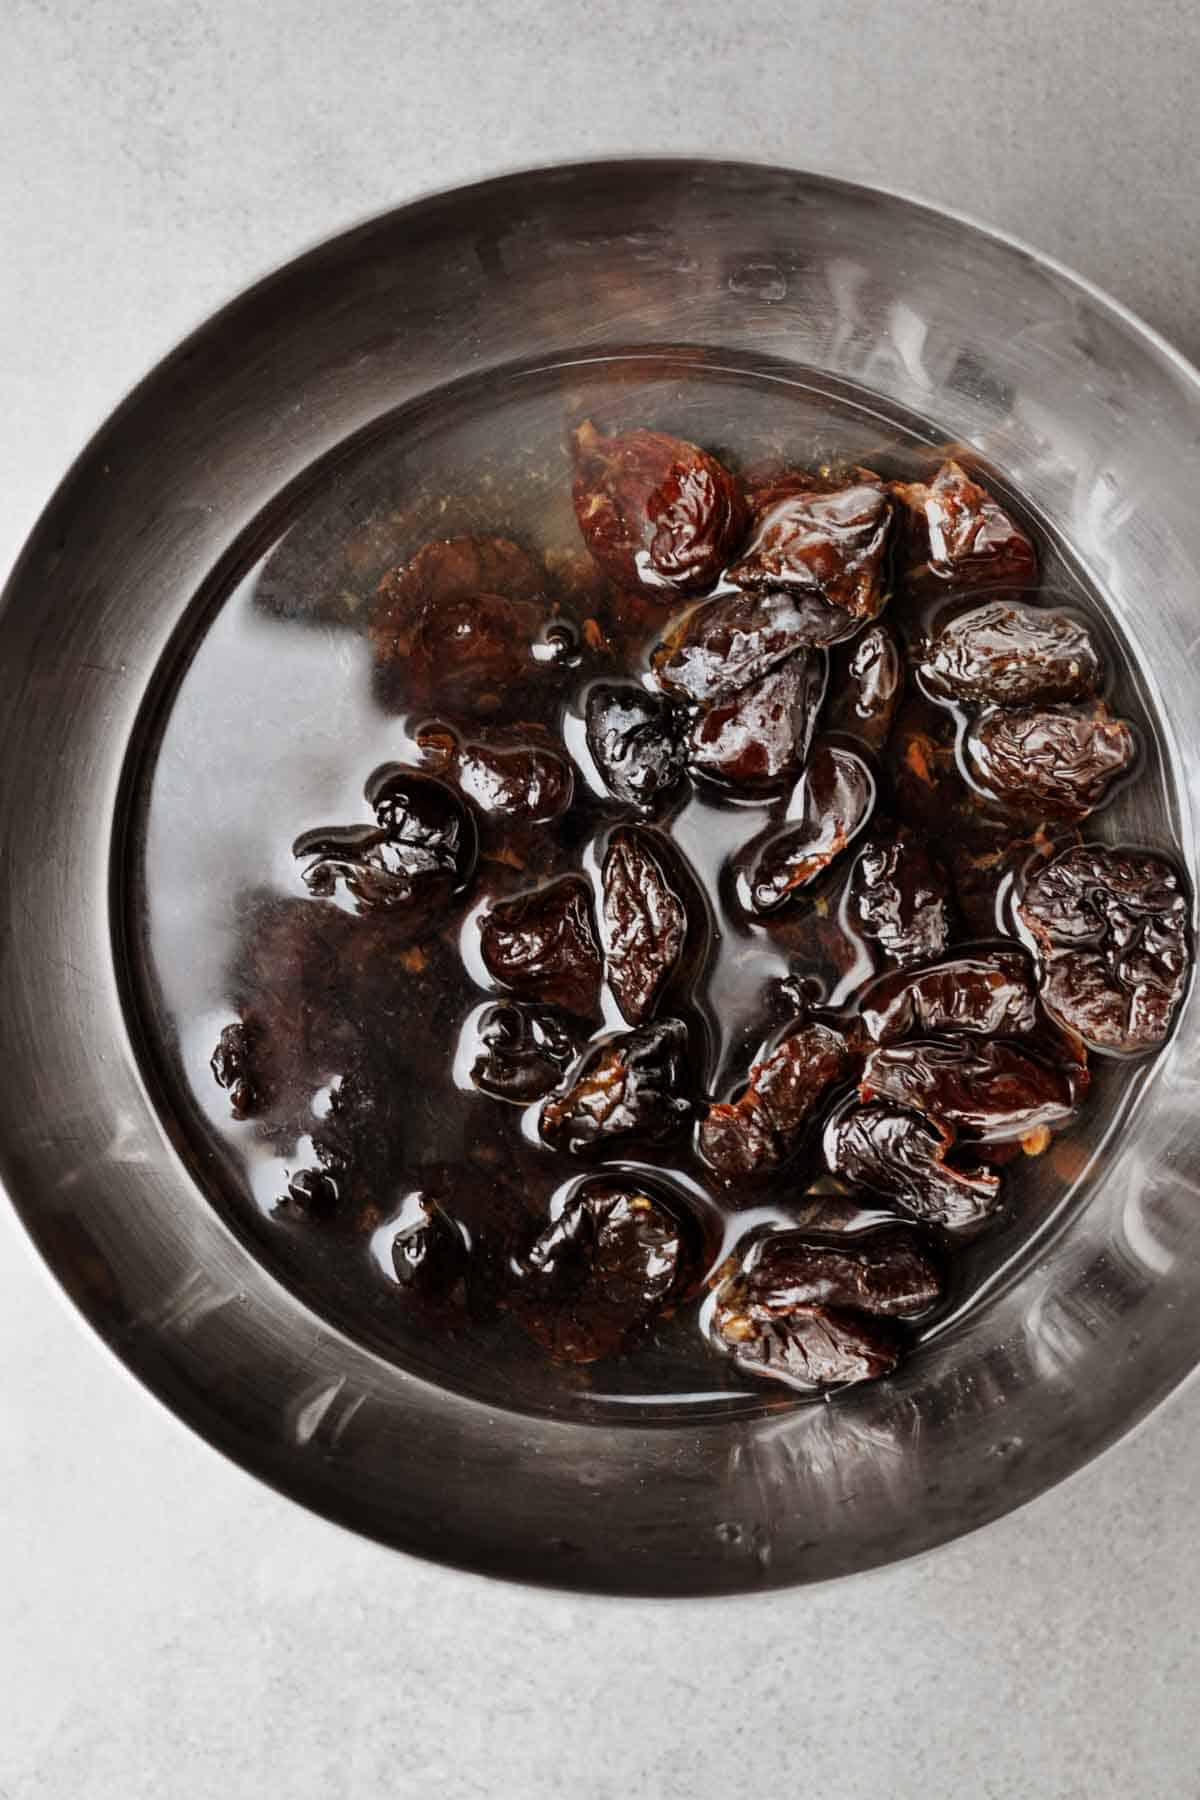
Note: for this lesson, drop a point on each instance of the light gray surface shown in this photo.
(169, 1628)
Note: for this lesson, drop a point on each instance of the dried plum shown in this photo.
(1050, 762)
(899, 898)
(418, 857)
(820, 534)
(599, 1272)
(832, 803)
(953, 533)
(760, 735)
(441, 577)
(991, 994)
(628, 1088)
(866, 685)
(522, 1052)
(231, 1064)
(543, 945)
(357, 1147)
(654, 511)
(987, 1089)
(763, 1127)
(894, 1153)
(1111, 926)
(1012, 654)
(524, 782)
(636, 740)
(731, 641)
(643, 923)
(429, 1256)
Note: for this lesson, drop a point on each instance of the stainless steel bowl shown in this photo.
(1089, 415)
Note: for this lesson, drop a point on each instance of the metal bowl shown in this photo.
(1090, 416)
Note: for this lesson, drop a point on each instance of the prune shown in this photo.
(654, 511)
(760, 735)
(817, 1315)
(762, 1128)
(902, 1157)
(600, 1271)
(899, 898)
(429, 1256)
(413, 862)
(729, 642)
(472, 652)
(523, 1051)
(643, 924)
(530, 783)
(1111, 926)
(627, 1088)
(357, 1145)
(989, 1090)
(443, 575)
(832, 803)
(636, 740)
(866, 686)
(231, 1067)
(1013, 655)
(985, 872)
(542, 944)
(1052, 762)
(992, 995)
(953, 533)
(822, 535)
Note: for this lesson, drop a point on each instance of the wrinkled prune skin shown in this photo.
(523, 1051)
(527, 783)
(821, 535)
(636, 741)
(1111, 928)
(816, 1314)
(543, 945)
(440, 581)
(232, 1067)
(429, 1257)
(900, 1156)
(643, 923)
(900, 898)
(599, 1272)
(990, 995)
(1008, 653)
(738, 638)
(986, 1089)
(866, 686)
(656, 512)
(473, 652)
(629, 1088)
(953, 534)
(1048, 762)
(832, 804)
(418, 857)
(984, 872)
(759, 737)
(357, 1146)
(761, 1129)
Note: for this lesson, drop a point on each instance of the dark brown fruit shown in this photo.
(655, 512)
(759, 736)
(442, 575)
(231, 1064)
(865, 686)
(358, 1146)
(643, 923)
(727, 643)
(599, 1272)
(1052, 762)
(1111, 926)
(763, 1127)
(636, 740)
(542, 945)
(528, 783)
(429, 1256)
(417, 858)
(471, 653)
(821, 535)
(831, 805)
(992, 994)
(987, 1090)
(954, 534)
(1012, 654)
(628, 1089)
(523, 1051)
(901, 1157)
(899, 898)
(985, 872)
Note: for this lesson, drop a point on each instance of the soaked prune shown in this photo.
(985, 872)
(599, 1272)
(643, 923)
(729, 642)
(986, 1089)
(953, 533)
(821, 534)
(522, 1052)
(818, 1314)
(899, 898)
(760, 736)
(654, 511)
(636, 740)
(357, 1146)
(442, 574)
(763, 1127)
(628, 1088)
(231, 1064)
(832, 803)
(1050, 762)
(419, 856)
(429, 1256)
(543, 945)
(992, 995)
(1012, 654)
(901, 1157)
(865, 686)
(524, 782)
(1111, 926)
